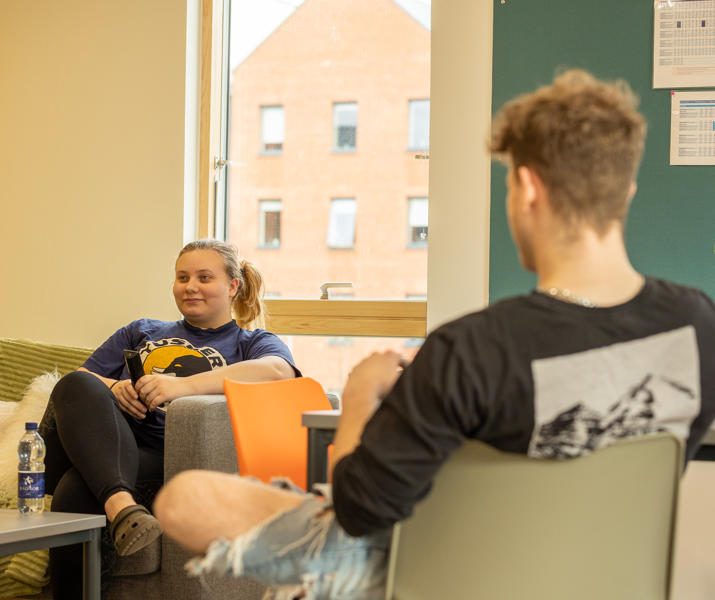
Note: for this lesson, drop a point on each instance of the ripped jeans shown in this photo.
(304, 553)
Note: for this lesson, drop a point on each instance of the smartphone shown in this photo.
(134, 365)
(136, 370)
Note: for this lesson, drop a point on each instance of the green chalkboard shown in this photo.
(671, 228)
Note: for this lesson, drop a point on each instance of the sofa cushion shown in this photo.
(22, 360)
(13, 416)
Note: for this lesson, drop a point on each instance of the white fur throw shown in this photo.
(13, 416)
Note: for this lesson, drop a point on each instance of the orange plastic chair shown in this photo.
(266, 421)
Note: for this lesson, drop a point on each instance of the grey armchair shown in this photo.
(198, 436)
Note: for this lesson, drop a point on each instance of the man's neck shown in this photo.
(589, 267)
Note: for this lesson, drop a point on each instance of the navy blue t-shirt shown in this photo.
(180, 349)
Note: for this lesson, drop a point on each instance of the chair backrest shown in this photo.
(266, 421)
(501, 526)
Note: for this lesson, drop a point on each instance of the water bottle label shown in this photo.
(30, 484)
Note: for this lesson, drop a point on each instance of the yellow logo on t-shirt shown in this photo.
(178, 357)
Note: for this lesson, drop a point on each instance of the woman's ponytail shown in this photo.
(248, 303)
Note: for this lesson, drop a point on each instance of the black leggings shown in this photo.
(91, 454)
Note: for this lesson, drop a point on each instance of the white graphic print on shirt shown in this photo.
(587, 400)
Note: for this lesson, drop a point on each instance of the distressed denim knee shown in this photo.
(304, 553)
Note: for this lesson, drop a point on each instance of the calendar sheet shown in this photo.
(692, 128)
(684, 43)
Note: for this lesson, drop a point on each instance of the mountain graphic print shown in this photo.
(588, 400)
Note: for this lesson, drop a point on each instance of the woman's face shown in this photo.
(202, 290)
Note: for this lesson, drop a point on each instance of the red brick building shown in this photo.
(327, 117)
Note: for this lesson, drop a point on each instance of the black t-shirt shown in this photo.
(538, 376)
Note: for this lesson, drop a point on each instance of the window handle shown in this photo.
(332, 284)
(220, 163)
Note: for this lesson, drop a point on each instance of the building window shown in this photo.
(341, 228)
(345, 126)
(418, 135)
(272, 129)
(269, 223)
(417, 222)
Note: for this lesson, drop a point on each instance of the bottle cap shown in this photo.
(30, 425)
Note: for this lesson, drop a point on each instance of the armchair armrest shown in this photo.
(199, 436)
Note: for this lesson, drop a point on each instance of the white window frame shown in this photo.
(417, 216)
(273, 128)
(414, 109)
(451, 180)
(265, 207)
(339, 109)
(340, 209)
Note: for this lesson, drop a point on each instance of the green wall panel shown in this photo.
(671, 228)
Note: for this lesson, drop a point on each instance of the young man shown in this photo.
(597, 352)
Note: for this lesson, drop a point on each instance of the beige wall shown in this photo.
(92, 98)
(91, 164)
(458, 259)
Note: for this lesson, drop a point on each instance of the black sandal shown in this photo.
(133, 528)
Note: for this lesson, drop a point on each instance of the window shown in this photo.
(311, 354)
(417, 222)
(272, 129)
(281, 58)
(341, 227)
(269, 220)
(345, 126)
(274, 49)
(418, 134)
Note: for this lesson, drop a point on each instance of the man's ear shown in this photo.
(530, 183)
(633, 188)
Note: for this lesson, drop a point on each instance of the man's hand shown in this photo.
(157, 389)
(373, 377)
(128, 399)
(368, 383)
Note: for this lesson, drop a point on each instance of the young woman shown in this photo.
(104, 434)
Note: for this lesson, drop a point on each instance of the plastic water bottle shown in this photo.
(31, 471)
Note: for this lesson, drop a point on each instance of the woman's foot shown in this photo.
(116, 502)
(133, 528)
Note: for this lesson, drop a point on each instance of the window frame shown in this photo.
(412, 147)
(418, 244)
(340, 149)
(377, 313)
(262, 149)
(263, 202)
(372, 318)
(212, 117)
(331, 223)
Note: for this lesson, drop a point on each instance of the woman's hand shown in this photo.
(128, 399)
(158, 389)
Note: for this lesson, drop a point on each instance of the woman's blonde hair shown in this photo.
(247, 305)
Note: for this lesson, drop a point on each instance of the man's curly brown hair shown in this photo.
(584, 138)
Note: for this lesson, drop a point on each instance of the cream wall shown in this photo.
(92, 123)
(461, 90)
(92, 171)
